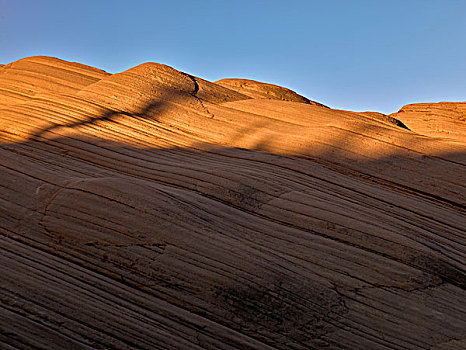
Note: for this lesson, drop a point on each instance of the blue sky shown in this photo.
(356, 55)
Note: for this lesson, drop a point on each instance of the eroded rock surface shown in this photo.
(151, 209)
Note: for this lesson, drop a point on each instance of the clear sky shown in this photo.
(357, 55)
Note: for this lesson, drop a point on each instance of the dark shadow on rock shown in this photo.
(75, 206)
(149, 111)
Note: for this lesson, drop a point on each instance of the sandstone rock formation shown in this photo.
(438, 120)
(152, 209)
(258, 90)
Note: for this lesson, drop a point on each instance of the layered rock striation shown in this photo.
(153, 209)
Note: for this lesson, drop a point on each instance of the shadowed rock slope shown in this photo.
(152, 209)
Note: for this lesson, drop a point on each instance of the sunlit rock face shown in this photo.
(444, 120)
(154, 209)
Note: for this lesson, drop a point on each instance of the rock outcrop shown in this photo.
(154, 209)
(258, 90)
(445, 120)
